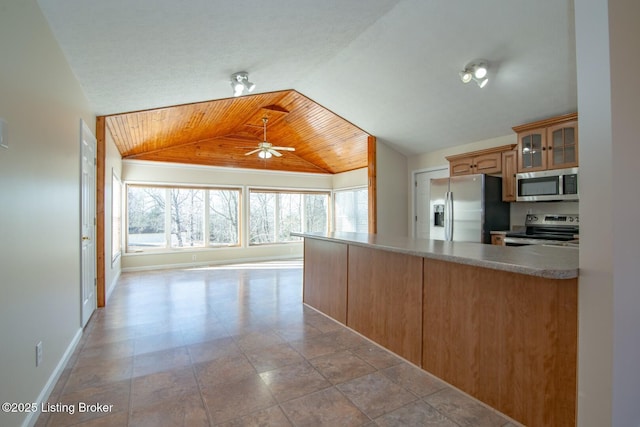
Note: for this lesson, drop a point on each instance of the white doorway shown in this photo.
(421, 197)
(88, 280)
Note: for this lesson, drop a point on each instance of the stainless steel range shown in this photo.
(547, 229)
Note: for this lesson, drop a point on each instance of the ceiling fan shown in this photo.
(265, 149)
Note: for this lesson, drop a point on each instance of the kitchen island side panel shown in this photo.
(385, 299)
(325, 278)
(507, 339)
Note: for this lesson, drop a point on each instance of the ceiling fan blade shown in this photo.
(274, 152)
(284, 148)
(253, 152)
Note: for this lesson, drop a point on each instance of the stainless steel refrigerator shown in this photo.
(467, 208)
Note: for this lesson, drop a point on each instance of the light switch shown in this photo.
(4, 142)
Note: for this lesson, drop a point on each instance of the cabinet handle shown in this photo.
(550, 148)
(544, 148)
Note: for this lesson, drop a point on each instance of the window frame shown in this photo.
(168, 248)
(335, 192)
(277, 191)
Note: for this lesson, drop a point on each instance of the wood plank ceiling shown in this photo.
(220, 132)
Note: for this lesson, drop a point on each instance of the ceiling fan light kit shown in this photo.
(477, 71)
(265, 149)
(240, 83)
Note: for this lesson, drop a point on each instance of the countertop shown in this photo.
(551, 262)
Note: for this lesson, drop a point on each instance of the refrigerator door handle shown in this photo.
(448, 216)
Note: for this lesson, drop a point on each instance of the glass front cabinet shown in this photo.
(548, 144)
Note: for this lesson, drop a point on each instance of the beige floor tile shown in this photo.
(415, 414)
(464, 410)
(294, 381)
(327, 407)
(231, 400)
(270, 417)
(187, 411)
(414, 379)
(163, 386)
(341, 367)
(375, 394)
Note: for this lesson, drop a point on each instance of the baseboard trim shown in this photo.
(208, 263)
(112, 285)
(32, 417)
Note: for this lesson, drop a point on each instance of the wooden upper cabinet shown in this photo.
(548, 144)
(509, 169)
(562, 145)
(487, 161)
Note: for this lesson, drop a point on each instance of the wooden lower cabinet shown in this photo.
(385, 298)
(325, 278)
(507, 339)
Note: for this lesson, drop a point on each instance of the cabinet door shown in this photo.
(562, 141)
(532, 146)
(497, 239)
(463, 166)
(509, 176)
(488, 163)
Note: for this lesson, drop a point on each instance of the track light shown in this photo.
(477, 71)
(240, 83)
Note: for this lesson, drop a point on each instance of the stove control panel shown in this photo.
(539, 220)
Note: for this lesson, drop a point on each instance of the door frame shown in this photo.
(413, 186)
(87, 135)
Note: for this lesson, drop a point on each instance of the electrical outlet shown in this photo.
(194, 257)
(38, 353)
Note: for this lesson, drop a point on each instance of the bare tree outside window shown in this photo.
(262, 221)
(145, 218)
(224, 211)
(274, 215)
(187, 217)
(196, 217)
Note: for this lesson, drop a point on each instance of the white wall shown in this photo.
(438, 158)
(392, 191)
(609, 336)
(39, 216)
(163, 173)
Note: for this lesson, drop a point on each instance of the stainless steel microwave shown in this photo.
(549, 185)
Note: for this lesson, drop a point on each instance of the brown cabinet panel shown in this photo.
(488, 163)
(497, 239)
(325, 277)
(508, 339)
(509, 169)
(462, 166)
(385, 294)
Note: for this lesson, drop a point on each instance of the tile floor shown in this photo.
(234, 346)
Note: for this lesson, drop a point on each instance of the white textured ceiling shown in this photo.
(388, 66)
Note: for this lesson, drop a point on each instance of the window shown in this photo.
(145, 218)
(116, 217)
(187, 217)
(273, 215)
(351, 210)
(191, 216)
(224, 211)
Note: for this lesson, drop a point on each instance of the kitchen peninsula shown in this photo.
(499, 323)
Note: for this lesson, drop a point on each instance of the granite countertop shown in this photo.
(551, 262)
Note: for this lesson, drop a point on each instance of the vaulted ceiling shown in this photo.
(222, 132)
(389, 67)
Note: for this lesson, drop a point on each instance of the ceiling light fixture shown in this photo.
(477, 71)
(240, 83)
